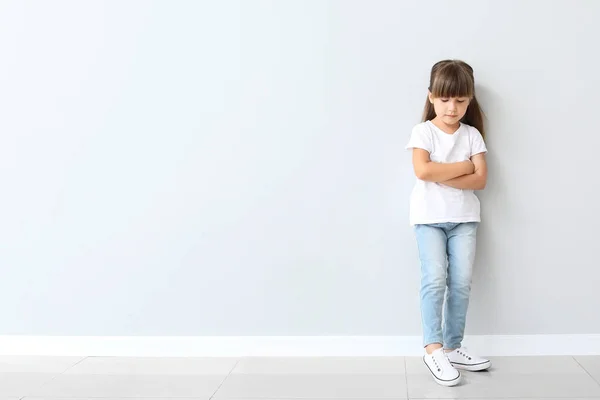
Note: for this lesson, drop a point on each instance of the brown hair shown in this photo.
(454, 78)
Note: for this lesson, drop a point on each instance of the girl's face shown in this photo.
(449, 110)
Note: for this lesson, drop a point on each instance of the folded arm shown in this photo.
(430, 171)
(475, 181)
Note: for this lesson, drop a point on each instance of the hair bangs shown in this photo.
(452, 81)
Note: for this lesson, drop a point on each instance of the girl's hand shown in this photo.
(475, 180)
(429, 171)
(469, 167)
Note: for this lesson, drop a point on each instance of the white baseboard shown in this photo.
(287, 346)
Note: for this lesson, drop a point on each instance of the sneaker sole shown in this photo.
(473, 368)
(449, 383)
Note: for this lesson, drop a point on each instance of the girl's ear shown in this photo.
(430, 96)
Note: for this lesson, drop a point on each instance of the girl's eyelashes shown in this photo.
(446, 100)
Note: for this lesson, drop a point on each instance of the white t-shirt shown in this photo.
(432, 202)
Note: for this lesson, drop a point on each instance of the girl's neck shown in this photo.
(449, 129)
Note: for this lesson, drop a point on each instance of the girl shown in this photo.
(449, 161)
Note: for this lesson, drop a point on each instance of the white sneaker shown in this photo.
(439, 365)
(462, 359)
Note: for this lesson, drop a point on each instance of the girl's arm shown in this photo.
(427, 170)
(475, 181)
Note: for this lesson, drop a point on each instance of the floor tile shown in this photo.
(15, 384)
(591, 364)
(321, 365)
(39, 364)
(154, 365)
(92, 385)
(483, 385)
(514, 365)
(507, 398)
(115, 398)
(313, 386)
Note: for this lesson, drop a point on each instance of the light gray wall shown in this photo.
(237, 167)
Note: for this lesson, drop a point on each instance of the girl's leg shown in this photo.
(461, 256)
(431, 241)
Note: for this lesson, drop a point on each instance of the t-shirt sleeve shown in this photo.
(419, 139)
(477, 143)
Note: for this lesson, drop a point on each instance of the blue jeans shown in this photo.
(447, 253)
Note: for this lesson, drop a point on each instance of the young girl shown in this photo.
(449, 161)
